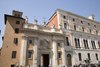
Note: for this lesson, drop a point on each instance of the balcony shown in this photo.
(68, 48)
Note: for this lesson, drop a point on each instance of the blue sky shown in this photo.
(46, 8)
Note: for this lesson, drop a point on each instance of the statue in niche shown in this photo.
(26, 19)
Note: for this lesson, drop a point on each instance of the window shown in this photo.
(67, 41)
(17, 22)
(79, 54)
(96, 56)
(64, 17)
(65, 25)
(77, 43)
(95, 26)
(12, 65)
(90, 30)
(16, 40)
(99, 44)
(18, 15)
(89, 56)
(74, 27)
(73, 20)
(16, 30)
(86, 44)
(59, 54)
(30, 54)
(30, 41)
(81, 22)
(14, 54)
(58, 44)
(88, 24)
(97, 32)
(93, 44)
(83, 29)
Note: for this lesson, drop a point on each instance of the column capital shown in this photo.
(24, 37)
(62, 40)
(36, 38)
(53, 39)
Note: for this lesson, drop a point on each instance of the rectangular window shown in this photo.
(81, 22)
(18, 15)
(30, 41)
(58, 44)
(16, 40)
(14, 54)
(16, 30)
(67, 41)
(74, 27)
(64, 17)
(73, 20)
(93, 44)
(65, 25)
(77, 43)
(79, 54)
(17, 22)
(95, 26)
(88, 24)
(90, 30)
(59, 54)
(89, 56)
(97, 32)
(83, 29)
(30, 54)
(96, 56)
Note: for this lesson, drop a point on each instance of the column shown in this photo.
(63, 53)
(23, 51)
(55, 62)
(35, 60)
(59, 18)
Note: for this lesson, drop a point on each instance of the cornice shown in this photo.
(77, 15)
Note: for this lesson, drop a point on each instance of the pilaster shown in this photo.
(55, 62)
(35, 60)
(23, 51)
(63, 53)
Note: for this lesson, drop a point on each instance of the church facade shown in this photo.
(67, 39)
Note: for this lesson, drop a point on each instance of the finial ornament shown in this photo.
(35, 21)
(53, 25)
(26, 19)
(44, 23)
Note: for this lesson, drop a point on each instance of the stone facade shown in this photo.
(49, 45)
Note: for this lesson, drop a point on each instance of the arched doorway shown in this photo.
(69, 59)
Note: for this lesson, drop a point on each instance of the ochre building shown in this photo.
(67, 39)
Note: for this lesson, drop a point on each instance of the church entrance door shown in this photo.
(46, 60)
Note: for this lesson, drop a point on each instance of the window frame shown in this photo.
(74, 27)
(88, 24)
(64, 17)
(65, 26)
(96, 56)
(16, 30)
(89, 57)
(73, 19)
(15, 40)
(31, 54)
(59, 55)
(17, 22)
(81, 22)
(80, 57)
(29, 41)
(14, 53)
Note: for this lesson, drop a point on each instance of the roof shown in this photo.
(5, 16)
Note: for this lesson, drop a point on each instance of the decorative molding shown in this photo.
(36, 38)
